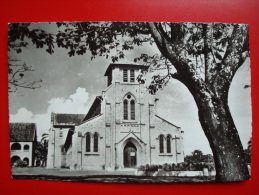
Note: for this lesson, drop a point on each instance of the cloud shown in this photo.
(22, 115)
(75, 104)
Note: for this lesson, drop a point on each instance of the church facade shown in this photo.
(121, 129)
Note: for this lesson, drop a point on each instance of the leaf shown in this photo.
(218, 56)
(71, 53)
(220, 50)
(10, 70)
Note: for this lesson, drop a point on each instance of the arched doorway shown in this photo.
(130, 155)
(14, 159)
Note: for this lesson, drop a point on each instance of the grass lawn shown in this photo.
(39, 173)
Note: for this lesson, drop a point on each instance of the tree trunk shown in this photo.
(219, 128)
(211, 97)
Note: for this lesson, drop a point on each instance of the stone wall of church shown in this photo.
(165, 129)
(51, 144)
(114, 132)
(121, 130)
(89, 160)
(68, 158)
(57, 138)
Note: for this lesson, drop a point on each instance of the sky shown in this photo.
(70, 85)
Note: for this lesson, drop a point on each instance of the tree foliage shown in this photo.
(16, 71)
(202, 49)
(198, 157)
(248, 151)
(203, 56)
(17, 40)
(41, 150)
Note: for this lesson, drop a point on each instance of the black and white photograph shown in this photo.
(130, 102)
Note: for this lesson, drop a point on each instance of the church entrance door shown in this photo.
(130, 155)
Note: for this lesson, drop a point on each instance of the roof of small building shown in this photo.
(22, 132)
(66, 119)
(125, 65)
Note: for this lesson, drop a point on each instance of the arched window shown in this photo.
(96, 142)
(168, 143)
(16, 146)
(125, 110)
(129, 111)
(88, 142)
(161, 143)
(132, 110)
(132, 75)
(125, 75)
(26, 160)
(26, 147)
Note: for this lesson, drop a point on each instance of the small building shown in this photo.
(60, 137)
(23, 137)
(121, 129)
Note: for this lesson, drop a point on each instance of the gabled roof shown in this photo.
(167, 121)
(95, 108)
(22, 132)
(134, 135)
(124, 65)
(66, 119)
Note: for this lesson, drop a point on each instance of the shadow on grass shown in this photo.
(118, 179)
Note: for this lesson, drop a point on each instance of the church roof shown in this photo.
(22, 132)
(95, 108)
(125, 65)
(66, 119)
(167, 121)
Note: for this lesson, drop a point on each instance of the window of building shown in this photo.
(168, 143)
(88, 142)
(16, 146)
(129, 110)
(161, 143)
(96, 142)
(26, 147)
(60, 133)
(132, 110)
(132, 75)
(26, 160)
(125, 75)
(125, 110)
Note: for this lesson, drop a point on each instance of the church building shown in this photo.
(121, 129)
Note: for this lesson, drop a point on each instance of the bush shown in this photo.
(153, 168)
(148, 167)
(188, 166)
(184, 166)
(141, 168)
(20, 163)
